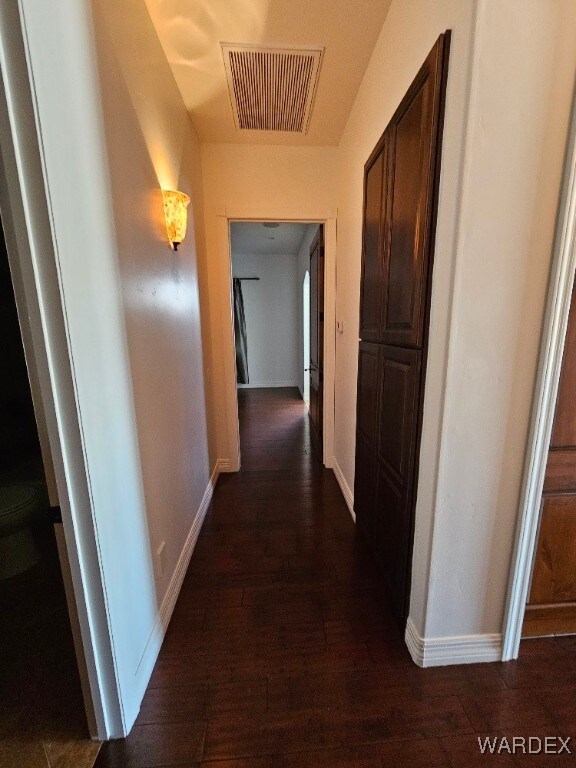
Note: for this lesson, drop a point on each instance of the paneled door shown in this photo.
(413, 136)
(317, 342)
(551, 607)
(401, 179)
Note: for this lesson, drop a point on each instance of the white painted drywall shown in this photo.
(131, 304)
(150, 145)
(272, 322)
(498, 196)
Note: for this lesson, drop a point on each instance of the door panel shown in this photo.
(564, 429)
(372, 258)
(414, 138)
(561, 471)
(366, 434)
(554, 577)
(551, 605)
(317, 342)
(365, 485)
(392, 527)
(399, 374)
(368, 390)
(399, 386)
(404, 276)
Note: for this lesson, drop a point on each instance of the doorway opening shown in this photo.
(278, 292)
(42, 691)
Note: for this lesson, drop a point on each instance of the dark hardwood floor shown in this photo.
(282, 653)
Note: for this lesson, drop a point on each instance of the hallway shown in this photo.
(281, 654)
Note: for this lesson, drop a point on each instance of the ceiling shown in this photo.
(191, 33)
(256, 239)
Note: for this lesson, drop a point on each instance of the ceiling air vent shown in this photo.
(271, 89)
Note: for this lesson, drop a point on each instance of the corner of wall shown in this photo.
(445, 651)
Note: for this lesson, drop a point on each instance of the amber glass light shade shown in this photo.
(175, 205)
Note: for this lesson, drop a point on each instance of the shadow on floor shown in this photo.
(42, 719)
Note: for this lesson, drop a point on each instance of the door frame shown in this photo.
(27, 216)
(317, 246)
(328, 219)
(555, 324)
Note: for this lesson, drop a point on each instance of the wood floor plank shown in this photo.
(149, 746)
(281, 733)
(352, 757)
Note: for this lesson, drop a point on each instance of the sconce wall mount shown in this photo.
(175, 205)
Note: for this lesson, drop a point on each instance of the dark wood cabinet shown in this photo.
(400, 201)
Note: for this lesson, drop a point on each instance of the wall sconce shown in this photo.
(175, 204)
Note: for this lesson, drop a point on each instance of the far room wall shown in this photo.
(272, 323)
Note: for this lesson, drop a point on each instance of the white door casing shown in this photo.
(545, 393)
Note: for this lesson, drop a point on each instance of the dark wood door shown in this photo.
(317, 341)
(551, 605)
(400, 202)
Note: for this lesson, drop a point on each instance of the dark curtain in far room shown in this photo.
(242, 376)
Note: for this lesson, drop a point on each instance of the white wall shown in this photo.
(272, 322)
(513, 67)
(150, 145)
(131, 306)
(29, 231)
(242, 182)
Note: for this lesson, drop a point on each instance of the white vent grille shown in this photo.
(271, 89)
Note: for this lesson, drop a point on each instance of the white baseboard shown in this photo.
(268, 384)
(173, 590)
(152, 649)
(215, 474)
(344, 487)
(443, 651)
(222, 465)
